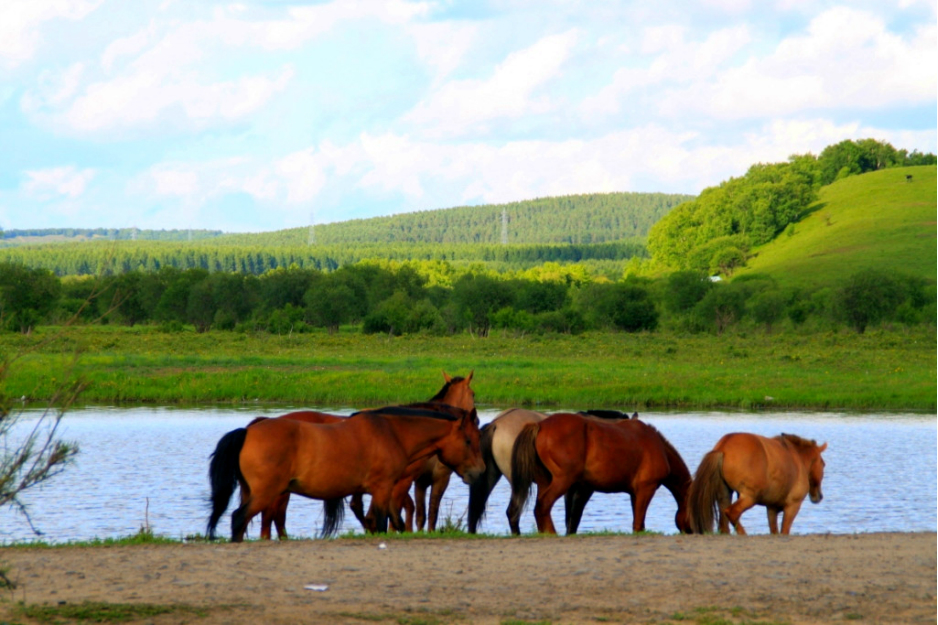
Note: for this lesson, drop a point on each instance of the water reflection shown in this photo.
(141, 465)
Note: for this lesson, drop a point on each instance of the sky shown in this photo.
(262, 115)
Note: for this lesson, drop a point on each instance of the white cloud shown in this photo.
(465, 106)
(847, 58)
(676, 61)
(56, 182)
(22, 21)
(165, 71)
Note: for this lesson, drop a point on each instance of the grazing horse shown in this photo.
(773, 472)
(376, 452)
(455, 392)
(569, 450)
(497, 440)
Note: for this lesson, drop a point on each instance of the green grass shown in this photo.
(101, 612)
(879, 370)
(877, 220)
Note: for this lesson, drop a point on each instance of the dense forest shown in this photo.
(48, 235)
(252, 283)
(106, 258)
(573, 219)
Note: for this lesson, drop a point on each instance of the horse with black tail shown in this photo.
(388, 445)
(573, 451)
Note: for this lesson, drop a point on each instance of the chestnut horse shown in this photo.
(497, 440)
(378, 452)
(455, 392)
(569, 450)
(773, 472)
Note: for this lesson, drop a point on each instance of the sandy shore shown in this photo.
(873, 578)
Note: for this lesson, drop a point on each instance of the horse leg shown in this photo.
(258, 501)
(280, 517)
(790, 511)
(574, 503)
(357, 505)
(724, 499)
(436, 496)
(546, 498)
(420, 503)
(735, 511)
(640, 501)
(409, 506)
(772, 512)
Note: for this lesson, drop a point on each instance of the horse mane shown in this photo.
(439, 396)
(797, 441)
(423, 409)
(606, 414)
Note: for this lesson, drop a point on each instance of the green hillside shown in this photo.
(876, 220)
(572, 219)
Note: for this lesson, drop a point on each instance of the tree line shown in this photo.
(436, 297)
(714, 232)
(109, 258)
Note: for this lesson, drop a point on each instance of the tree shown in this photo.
(868, 297)
(27, 295)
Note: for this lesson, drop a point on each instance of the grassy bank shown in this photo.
(889, 370)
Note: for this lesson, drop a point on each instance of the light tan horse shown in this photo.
(497, 441)
(773, 472)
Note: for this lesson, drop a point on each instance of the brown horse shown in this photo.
(567, 451)
(773, 472)
(455, 392)
(498, 440)
(375, 452)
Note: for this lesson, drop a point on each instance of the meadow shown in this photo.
(884, 369)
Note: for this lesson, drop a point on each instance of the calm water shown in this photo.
(881, 475)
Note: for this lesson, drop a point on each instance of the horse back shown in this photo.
(621, 454)
(765, 468)
(507, 426)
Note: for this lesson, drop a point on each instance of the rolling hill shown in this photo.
(881, 220)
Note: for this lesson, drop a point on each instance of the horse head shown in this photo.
(461, 451)
(815, 475)
(456, 392)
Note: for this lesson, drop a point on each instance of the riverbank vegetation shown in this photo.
(809, 282)
(889, 369)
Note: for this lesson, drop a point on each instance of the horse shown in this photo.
(497, 440)
(773, 472)
(378, 452)
(455, 392)
(578, 451)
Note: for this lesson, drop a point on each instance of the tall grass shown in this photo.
(882, 369)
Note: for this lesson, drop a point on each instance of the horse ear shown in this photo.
(469, 377)
(822, 448)
(446, 377)
(635, 415)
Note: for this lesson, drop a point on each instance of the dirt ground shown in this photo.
(872, 578)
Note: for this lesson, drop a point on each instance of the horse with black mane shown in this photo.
(574, 451)
(455, 392)
(378, 452)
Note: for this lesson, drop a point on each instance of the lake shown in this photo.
(150, 464)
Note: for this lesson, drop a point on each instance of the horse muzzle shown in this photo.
(472, 474)
(817, 497)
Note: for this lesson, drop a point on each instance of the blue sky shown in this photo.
(262, 115)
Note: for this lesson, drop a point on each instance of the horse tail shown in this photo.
(481, 488)
(333, 512)
(224, 473)
(704, 493)
(526, 467)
